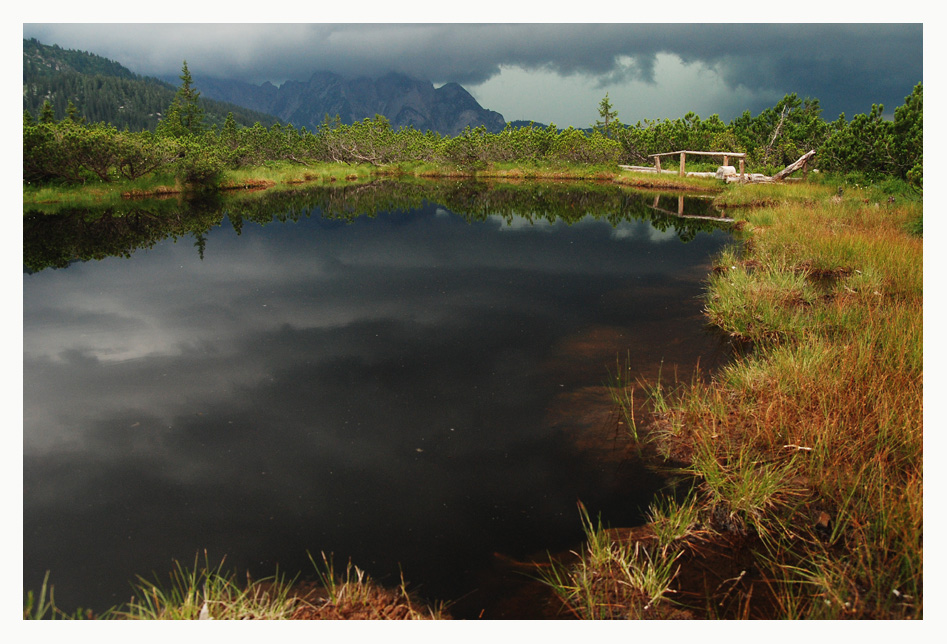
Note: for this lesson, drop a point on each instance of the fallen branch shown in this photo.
(792, 167)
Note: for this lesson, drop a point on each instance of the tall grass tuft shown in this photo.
(42, 605)
(206, 592)
(673, 521)
(353, 595)
(612, 579)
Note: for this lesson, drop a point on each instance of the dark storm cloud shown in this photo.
(472, 53)
(847, 66)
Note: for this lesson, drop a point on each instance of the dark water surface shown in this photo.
(414, 391)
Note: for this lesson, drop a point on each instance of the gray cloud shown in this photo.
(846, 66)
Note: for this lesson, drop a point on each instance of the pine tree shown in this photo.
(47, 114)
(185, 114)
(229, 132)
(72, 113)
(608, 116)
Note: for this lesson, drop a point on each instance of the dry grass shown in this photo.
(813, 440)
(830, 401)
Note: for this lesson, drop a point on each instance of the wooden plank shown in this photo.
(740, 155)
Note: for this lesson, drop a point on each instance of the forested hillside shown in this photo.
(103, 91)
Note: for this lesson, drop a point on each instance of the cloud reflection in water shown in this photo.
(375, 389)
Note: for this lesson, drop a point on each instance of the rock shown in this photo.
(724, 171)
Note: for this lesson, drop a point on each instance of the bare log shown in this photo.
(792, 167)
(779, 126)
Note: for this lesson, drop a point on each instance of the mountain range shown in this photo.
(404, 101)
(104, 90)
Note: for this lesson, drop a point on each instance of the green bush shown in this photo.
(201, 166)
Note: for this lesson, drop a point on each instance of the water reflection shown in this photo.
(398, 388)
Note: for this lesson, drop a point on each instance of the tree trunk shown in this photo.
(792, 167)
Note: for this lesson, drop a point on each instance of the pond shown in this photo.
(413, 379)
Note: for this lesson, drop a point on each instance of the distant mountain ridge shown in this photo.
(404, 101)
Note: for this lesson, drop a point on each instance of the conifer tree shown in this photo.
(47, 114)
(72, 113)
(608, 116)
(185, 114)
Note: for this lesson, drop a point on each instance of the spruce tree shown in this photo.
(608, 116)
(72, 113)
(47, 114)
(185, 114)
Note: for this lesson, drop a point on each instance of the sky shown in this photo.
(555, 72)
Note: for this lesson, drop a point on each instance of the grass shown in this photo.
(667, 181)
(208, 592)
(621, 387)
(42, 605)
(813, 440)
(613, 579)
(287, 174)
(270, 174)
(93, 195)
(353, 595)
(673, 521)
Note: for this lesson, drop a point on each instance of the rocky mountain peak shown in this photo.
(404, 101)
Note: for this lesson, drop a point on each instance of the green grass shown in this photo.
(673, 521)
(824, 417)
(611, 579)
(353, 595)
(666, 181)
(270, 174)
(210, 592)
(288, 173)
(42, 605)
(285, 173)
(621, 387)
(810, 443)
